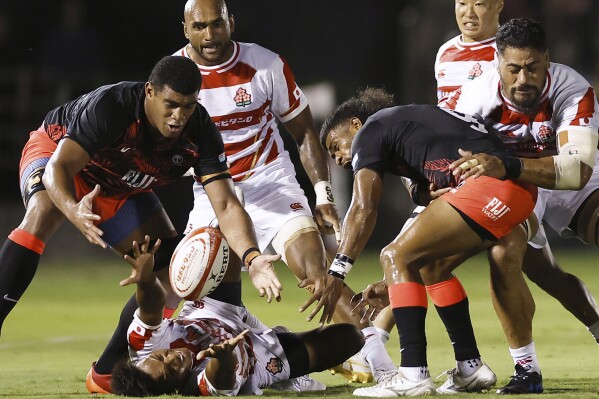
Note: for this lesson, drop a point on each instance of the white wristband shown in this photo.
(342, 265)
(324, 193)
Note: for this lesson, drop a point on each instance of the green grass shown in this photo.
(68, 314)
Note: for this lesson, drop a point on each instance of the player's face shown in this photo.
(169, 111)
(523, 73)
(170, 367)
(208, 27)
(339, 142)
(477, 19)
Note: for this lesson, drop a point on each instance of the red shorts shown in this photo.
(495, 205)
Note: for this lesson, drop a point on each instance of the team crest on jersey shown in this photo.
(441, 74)
(545, 132)
(274, 366)
(495, 209)
(177, 159)
(242, 97)
(475, 72)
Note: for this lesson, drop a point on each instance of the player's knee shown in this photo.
(393, 259)
(291, 231)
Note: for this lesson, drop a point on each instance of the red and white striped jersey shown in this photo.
(244, 96)
(459, 62)
(566, 100)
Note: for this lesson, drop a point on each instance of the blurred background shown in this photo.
(53, 51)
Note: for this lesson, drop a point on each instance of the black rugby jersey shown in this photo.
(420, 142)
(126, 153)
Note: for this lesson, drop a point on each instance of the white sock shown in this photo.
(594, 329)
(468, 367)
(374, 353)
(415, 373)
(526, 357)
(384, 334)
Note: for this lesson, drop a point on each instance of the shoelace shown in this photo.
(390, 377)
(449, 373)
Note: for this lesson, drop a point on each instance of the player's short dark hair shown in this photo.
(179, 73)
(521, 33)
(128, 380)
(366, 102)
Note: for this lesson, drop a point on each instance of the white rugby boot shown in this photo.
(482, 379)
(394, 383)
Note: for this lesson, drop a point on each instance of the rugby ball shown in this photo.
(199, 263)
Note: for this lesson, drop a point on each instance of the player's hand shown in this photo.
(142, 262)
(83, 218)
(263, 276)
(475, 165)
(326, 290)
(327, 220)
(223, 350)
(432, 192)
(371, 301)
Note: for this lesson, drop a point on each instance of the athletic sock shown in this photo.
(19, 258)
(526, 357)
(117, 347)
(451, 302)
(415, 373)
(409, 304)
(594, 330)
(375, 354)
(383, 334)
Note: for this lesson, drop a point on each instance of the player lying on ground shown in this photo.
(420, 142)
(215, 346)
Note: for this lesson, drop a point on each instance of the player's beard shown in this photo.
(529, 103)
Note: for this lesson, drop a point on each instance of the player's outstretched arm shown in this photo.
(68, 160)
(237, 227)
(150, 294)
(220, 370)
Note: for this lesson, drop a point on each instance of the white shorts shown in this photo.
(556, 208)
(272, 198)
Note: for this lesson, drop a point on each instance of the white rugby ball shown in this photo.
(199, 263)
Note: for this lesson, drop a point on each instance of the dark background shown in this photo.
(52, 51)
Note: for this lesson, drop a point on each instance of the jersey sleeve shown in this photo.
(143, 338)
(97, 123)
(288, 100)
(212, 150)
(576, 102)
(368, 148)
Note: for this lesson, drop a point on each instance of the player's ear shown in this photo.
(149, 89)
(546, 59)
(232, 22)
(185, 30)
(355, 123)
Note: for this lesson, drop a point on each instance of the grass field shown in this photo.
(70, 310)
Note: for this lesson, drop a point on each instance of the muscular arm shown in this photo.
(570, 170)
(361, 216)
(237, 227)
(233, 220)
(68, 159)
(313, 157)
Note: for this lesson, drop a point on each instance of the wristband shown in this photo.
(341, 265)
(324, 193)
(244, 259)
(513, 167)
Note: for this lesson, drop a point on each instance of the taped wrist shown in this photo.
(324, 193)
(341, 266)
